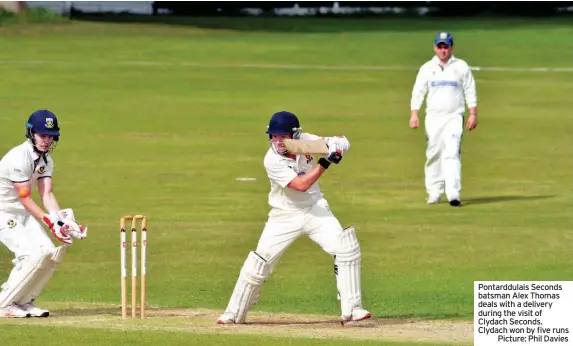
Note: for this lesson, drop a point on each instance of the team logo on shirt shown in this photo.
(11, 223)
(49, 123)
(308, 158)
(41, 170)
(444, 83)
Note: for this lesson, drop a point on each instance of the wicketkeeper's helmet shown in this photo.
(43, 122)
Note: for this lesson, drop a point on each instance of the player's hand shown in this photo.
(52, 220)
(472, 122)
(58, 228)
(60, 233)
(335, 150)
(414, 121)
(74, 229)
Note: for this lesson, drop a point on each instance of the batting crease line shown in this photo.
(276, 66)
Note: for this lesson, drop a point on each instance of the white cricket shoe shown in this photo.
(226, 318)
(13, 311)
(434, 199)
(34, 311)
(358, 314)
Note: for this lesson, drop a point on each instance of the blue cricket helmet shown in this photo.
(284, 123)
(43, 122)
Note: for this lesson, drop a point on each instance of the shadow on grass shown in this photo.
(495, 199)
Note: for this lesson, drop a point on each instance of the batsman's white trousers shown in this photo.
(27, 239)
(322, 227)
(443, 167)
(285, 226)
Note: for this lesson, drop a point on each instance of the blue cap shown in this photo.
(44, 122)
(444, 37)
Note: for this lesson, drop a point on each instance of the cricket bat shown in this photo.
(306, 146)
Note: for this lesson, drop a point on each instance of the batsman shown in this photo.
(298, 208)
(35, 256)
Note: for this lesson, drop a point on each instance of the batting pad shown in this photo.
(348, 260)
(26, 276)
(253, 274)
(33, 290)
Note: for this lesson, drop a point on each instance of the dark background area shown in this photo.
(434, 8)
(358, 15)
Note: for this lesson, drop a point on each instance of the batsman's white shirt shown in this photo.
(21, 164)
(282, 170)
(447, 87)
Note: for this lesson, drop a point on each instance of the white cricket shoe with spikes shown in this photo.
(13, 311)
(226, 318)
(34, 311)
(358, 314)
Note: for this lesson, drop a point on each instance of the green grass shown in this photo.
(168, 140)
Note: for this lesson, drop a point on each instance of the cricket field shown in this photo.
(161, 119)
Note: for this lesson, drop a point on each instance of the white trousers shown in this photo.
(284, 227)
(322, 227)
(27, 239)
(281, 230)
(443, 167)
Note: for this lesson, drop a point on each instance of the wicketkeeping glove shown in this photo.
(74, 229)
(58, 228)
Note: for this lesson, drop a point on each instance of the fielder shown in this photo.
(299, 208)
(36, 257)
(449, 82)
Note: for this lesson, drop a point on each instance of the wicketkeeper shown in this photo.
(36, 257)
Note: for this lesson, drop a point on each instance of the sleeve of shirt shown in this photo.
(420, 89)
(279, 172)
(18, 174)
(17, 169)
(48, 171)
(469, 86)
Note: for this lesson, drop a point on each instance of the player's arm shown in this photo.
(470, 93)
(45, 188)
(20, 174)
(280, 173)
(52, 220)
(20, 177)
(24, 192)
(419, 92)
(303, 182)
